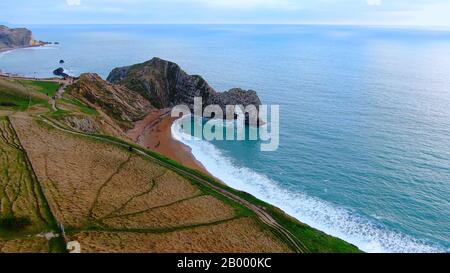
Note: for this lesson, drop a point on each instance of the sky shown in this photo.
(352, 12)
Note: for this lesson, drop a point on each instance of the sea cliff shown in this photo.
(12, 38)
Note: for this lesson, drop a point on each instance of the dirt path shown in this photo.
(62, 88)
(265, 217)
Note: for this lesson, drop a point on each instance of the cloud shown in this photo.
(374, 2)
(73, 2)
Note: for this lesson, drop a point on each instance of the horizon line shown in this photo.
(236, 23)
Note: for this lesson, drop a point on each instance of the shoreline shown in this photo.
(2, 50)
(154, 132)
(9, 49)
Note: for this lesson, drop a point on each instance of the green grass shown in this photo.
(14, 224)
(19, 101)
(59, 113)
(46, 88)
(83, 107)
(22, 94)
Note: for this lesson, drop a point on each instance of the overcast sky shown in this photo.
(359, 12)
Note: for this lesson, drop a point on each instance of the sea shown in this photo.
(364, 149)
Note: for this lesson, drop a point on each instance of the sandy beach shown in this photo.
(154, 133)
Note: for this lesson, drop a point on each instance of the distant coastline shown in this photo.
(14, 38)
(3, 50)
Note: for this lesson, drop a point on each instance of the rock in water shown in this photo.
(61, 61)
(60, 72)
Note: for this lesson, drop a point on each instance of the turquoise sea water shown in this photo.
(365, 116)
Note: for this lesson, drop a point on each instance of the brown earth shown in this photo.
(194, 211)
(25, 245)
(237, 236)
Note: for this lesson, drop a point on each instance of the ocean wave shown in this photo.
(4, 53)
(44, 47)
(70, 72)
(363, 232)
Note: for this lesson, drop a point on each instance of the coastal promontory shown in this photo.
(11, 38)
(166, 85)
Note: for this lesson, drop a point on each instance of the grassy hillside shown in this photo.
(25, 215)
(23, 94)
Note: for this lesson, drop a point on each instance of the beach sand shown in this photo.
(154, 133)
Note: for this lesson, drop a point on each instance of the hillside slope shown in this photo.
(118, 102)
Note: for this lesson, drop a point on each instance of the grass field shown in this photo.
(21, 96)
(83, 108)
(46, 88)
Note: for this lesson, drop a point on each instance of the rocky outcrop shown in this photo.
(82, 124)
(60, 72)
(16, 38)
(165, 85)
(118, 102)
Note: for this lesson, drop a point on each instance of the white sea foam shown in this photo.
(44, 47)
(70, 72)
(4, 53)
(365, 233)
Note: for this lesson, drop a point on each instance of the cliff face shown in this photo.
(14, 38)
(118, 102)
(165, 84)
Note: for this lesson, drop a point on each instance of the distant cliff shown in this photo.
(11, 38)
(165, 85)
